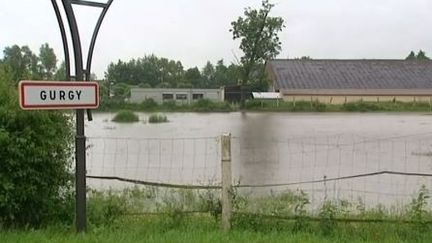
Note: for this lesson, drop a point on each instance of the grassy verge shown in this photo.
(303, 106)
(151, 106)
(273, 106)
(202, 228)
(194, 216)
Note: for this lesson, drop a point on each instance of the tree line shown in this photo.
(25, 64)
(158, 72)
(420, 56)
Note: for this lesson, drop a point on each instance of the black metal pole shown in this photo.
(80, 140)
(80, 75)
(64, 39)
(92, 45)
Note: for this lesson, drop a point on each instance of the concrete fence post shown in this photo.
(226, 182)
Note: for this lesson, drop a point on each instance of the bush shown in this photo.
(35, 157)
(205, 105)
(149, 104)
(169, 105)
(110, 104)
(125, 116)
(157, 118)
(418, 209)
(105, 207)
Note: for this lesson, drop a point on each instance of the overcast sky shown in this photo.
(194, 31)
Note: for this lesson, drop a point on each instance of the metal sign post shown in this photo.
(81, 74)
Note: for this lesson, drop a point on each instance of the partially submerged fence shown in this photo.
(267, 176)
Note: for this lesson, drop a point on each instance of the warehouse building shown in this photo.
(341, 81)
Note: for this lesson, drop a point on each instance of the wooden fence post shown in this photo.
(226, 182)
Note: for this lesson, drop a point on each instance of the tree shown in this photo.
(148, 69)
(226, 75)
(259, 41)
(121, 91)
(152, 71)
(411, 56)
(421, 56)
(60, 74)
(221, 74)
(48, 61)
(304, 58)
(26, 65)
(20, 61)
(32, 63)
(193, 76)
(208, 75)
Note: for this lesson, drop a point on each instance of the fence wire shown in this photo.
(383, 171)
(176, 163)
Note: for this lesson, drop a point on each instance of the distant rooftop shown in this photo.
(363, 74)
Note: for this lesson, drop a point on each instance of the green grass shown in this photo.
(125, 116)
(170, 106)
(202, 228)
(113, 218)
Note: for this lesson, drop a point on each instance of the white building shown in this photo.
(184, 96)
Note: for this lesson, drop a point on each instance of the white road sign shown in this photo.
(49, 95)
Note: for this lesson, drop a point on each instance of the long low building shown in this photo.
(341, 81)
(183, 96)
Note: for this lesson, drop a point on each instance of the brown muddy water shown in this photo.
(324, 154)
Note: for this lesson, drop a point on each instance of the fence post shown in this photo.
(226, 181)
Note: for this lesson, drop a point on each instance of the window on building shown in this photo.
(197, 96)
(181, 96)
(167, 96)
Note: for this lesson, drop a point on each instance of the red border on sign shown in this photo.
(27, 83)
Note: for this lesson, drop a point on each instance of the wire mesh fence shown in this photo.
(176, 162)
(386, 171)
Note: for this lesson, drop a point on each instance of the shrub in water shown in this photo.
(157, 118)
(125, 116)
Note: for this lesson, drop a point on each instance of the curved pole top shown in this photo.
(93, 39)
(89, 3)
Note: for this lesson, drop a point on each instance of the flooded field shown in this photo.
(379, 158)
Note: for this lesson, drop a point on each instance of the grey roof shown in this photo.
(350, 74)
